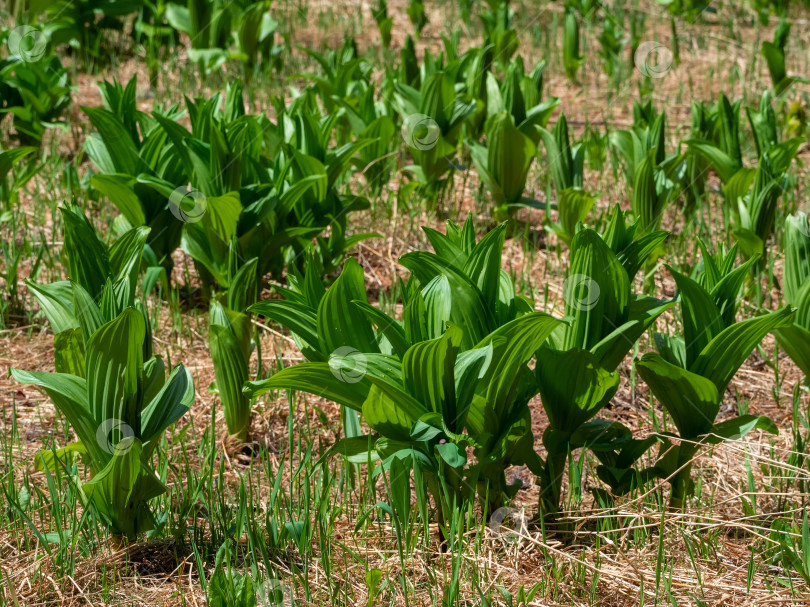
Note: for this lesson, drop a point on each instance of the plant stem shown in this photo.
(682, 479)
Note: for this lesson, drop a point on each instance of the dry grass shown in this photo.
(608, 565)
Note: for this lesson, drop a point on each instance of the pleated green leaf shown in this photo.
(88, 260)
(597, 291)
(390, 328)
(121, 490)
(298, 318)
(391, 411)
(701, 318)
(340, 322)
(56, 302)
(316, 378)
(513, 345)
(693, 401)
(114, 364)
(509, 156)
(573, 386)
(428, 374)
(170, 404)
(229, 342)
(69, 395)
(727, 351)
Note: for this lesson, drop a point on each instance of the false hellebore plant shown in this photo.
(102, 283)
(576, 369)
(108, 385)
(229, 333)
(795, 339)
(689, 375)
(119, 413)
(452, 375)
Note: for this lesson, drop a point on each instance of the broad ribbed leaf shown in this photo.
(438, 298)
(724, 165)
(87, 256)
(120, 189)
(445, 248)
(738, 427)
(573, 386)
(315, 378)
(117, 140)
(68, 352)
(340, 322)
(468, 308)
(597, 291)
(125, 257)
(483, 266)
(121, 490)
(56, 302)
(797, 256)
(573, 206)
(391, 411)
(427, 373)
(229, 342)
(114, 364)
(510, 154)
(390, 328)
(87, 310)
(726, 292)
(69, 396)
(611, 350)
(635, 254)
(692, 400)
(726, 352)
(512, 346)
(795, 340)
(647, 204)
(298, 318)
(169, 405)
(701, 318)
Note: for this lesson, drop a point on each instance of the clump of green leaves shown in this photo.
(36, 95)
(774, 53)
(229, 340)
(576, 369)
(689, 375)
(103, 282)
(119, 413)
(451, 374)
(572, 56)
(795, 339)
(432, 121)
(567, 160)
